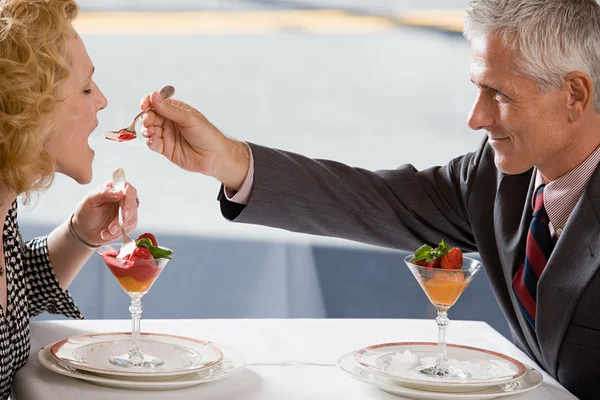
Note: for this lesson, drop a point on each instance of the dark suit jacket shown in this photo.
(471, 205)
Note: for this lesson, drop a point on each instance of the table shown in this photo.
(285, 358)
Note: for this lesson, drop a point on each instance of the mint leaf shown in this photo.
(161, 252)
(423, 253)
(443, 247)
(157, 251)
(144, 242)
(439, 251)
(429, 254)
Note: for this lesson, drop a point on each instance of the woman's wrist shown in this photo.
(77, 238)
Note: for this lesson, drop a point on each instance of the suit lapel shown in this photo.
(512, 216)
(573, 263)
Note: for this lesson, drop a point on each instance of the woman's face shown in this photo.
(76, 117)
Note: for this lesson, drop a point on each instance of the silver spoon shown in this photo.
(129, 133)
(118, 179)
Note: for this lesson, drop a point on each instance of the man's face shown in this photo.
(526, 128)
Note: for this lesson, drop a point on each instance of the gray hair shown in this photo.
(552, 38)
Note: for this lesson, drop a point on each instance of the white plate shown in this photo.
(181, 355)
(486, 368)
(232, 363)
(348, 364)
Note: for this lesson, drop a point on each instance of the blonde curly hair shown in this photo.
(33, 64)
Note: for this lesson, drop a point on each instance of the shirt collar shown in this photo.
(562, 194)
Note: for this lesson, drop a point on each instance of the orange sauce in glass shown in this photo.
(445, 287)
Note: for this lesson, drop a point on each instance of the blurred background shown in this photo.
(374, 84)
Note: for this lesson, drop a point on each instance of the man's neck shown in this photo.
(567, 161)
(585, 139)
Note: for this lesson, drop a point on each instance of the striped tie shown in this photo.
(537, 252)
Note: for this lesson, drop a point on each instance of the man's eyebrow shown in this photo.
(485, 86)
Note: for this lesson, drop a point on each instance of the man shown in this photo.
(528, 199)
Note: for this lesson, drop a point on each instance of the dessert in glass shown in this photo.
(136, 273)
(443, 274)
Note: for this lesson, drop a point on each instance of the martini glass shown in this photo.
(443, 287)
(136, 278)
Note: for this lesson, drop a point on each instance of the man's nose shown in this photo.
(481, 115)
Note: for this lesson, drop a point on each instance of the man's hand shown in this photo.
(186, 138)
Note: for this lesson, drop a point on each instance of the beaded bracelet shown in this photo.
(79, 241)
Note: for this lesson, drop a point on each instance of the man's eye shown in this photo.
(497, 95)
(87, 91)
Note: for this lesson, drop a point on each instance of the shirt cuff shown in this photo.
(242, 196)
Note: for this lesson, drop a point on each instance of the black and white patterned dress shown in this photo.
(31, 289)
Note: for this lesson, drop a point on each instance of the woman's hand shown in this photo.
(95, 220)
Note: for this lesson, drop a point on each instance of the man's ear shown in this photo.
(579, 90)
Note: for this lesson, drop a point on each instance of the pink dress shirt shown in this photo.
(562, 194)
(243, 195)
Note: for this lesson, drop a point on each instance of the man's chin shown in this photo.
(509, 167)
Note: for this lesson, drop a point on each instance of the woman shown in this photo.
(48, 106)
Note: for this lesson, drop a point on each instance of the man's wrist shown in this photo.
(234, 165)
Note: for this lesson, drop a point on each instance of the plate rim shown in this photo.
(408, 391)
(104, 380)
(522, 370)
(131, 373)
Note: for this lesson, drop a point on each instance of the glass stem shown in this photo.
(441, 363)
(136, 355)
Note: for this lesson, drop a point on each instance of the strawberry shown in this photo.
(141, 253)
(433, 257)
(434, 264)
(149, 236)
(429, 264)
(422, 263)
(148, 241)
(452, 260)
(125, 135)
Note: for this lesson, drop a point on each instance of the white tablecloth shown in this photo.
(285, 358)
